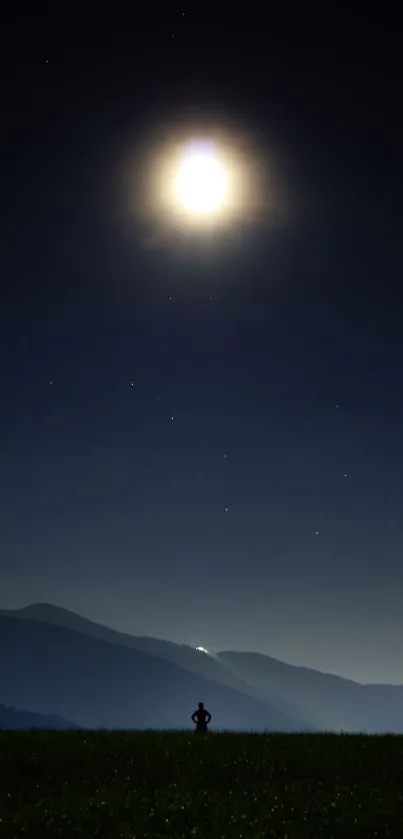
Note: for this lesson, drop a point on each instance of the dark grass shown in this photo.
(176, 784)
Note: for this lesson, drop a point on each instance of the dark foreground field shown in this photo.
(123, 784)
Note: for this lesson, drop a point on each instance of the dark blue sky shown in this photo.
(266, 514)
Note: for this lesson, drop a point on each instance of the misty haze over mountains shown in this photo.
(56, 663)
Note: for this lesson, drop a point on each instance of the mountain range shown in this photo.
(55, 662)
(15, 718)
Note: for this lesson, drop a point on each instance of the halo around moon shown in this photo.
(185, 182)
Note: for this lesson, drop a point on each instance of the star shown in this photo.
(316, 532)
(225, 509)
(132, 384)
(225, 456)
(51, 381)
(345, 475)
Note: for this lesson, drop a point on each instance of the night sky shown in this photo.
(201, 433)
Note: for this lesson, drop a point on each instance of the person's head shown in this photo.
(201, 705)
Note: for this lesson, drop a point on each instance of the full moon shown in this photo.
(198, 181)
(201, 181)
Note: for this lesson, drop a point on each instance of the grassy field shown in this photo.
(174, 784)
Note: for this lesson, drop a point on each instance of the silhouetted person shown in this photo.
(201, 718)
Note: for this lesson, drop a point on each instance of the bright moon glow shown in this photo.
(207, 182)
(201, 183)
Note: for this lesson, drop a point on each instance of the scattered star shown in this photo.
(225, 456)
(225, 509)
(51, 381)
(317, 532)
(345, 475)
(132, 384)
(337, 405)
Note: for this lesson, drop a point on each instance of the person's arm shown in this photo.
(193, 716)
(209, 717)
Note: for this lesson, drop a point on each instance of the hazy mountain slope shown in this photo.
(15, 718)
(187, 657)
(324, 700)
(315, 699)
(53, 670)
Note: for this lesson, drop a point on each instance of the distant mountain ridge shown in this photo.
(297, 696)
(325, 700)
(211, 667)
(50, 669)
(16, 718)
